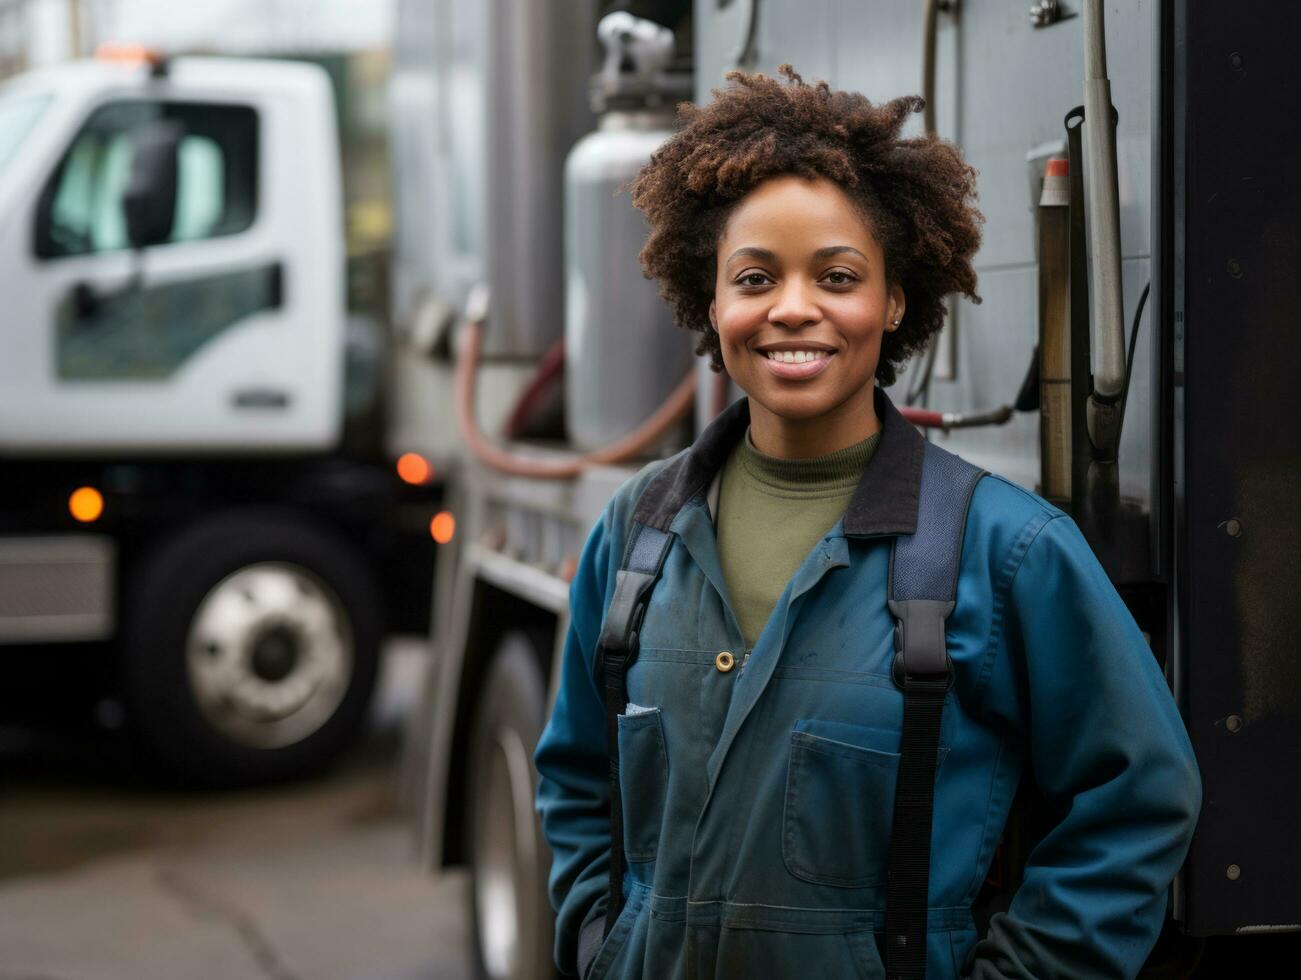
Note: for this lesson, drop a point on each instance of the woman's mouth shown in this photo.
(797, 365)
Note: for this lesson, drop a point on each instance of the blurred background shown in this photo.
(323, 344)
(138, 849)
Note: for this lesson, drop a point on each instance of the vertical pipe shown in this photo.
(74, 28)
(1108, 359)
(1055, 336)
(930, 15)
(1081, 451)
(944, 345)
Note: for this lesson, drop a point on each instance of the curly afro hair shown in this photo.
(917, 195)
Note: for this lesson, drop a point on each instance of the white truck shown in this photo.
(1187, 256)
(196, 499)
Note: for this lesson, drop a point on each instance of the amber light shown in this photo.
(443, 526)
(86, 504)
(414, 469)
(128, 54)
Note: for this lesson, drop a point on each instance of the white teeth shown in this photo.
(796, 356)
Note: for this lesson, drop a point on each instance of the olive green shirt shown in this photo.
(771, 512)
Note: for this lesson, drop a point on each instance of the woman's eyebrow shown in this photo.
(830, 250)
(762, 254)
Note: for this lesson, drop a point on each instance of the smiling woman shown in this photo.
(800, 306)
(913, 198)
(826, 644)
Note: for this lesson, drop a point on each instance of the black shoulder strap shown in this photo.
(923, 591)
(643, 558)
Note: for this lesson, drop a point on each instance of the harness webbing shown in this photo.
(922, 594)
(616, 650)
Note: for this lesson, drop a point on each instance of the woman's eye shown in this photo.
(838, 278)
(753, 279)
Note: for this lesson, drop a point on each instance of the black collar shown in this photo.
(884, 503)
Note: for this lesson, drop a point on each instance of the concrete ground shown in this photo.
(105, 878)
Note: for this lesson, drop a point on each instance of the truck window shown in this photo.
(80, 210)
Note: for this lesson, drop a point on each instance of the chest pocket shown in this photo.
(839, 804)
(643, 781)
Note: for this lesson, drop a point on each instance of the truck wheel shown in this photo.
(252, 646)
(509, 858)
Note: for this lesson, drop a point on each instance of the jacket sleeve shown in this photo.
(1109, 751)
(573, 763)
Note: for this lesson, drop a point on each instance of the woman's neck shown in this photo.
(848, 423)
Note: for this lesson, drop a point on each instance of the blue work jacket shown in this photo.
(758, 800)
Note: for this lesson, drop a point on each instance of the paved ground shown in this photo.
(103, 878)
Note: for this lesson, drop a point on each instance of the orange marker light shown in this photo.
(414, 468)
(86, 504)
(443, 526)
(128, 54)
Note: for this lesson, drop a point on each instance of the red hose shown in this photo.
(923, 417)
(550, 370)
(957, 420)
(631, 446)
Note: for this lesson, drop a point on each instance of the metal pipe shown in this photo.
(1055, 335)
(1108, 360)
(948, 337)
(930, 17)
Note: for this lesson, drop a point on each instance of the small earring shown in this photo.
(896, 323)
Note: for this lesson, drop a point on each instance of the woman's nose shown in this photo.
(794, 305)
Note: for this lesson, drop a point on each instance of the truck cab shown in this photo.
(179, 490)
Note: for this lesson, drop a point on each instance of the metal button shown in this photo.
(724, 661)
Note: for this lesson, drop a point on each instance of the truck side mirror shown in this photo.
(149, 201)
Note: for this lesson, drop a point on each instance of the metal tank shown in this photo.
(504, 83)
(623, 355)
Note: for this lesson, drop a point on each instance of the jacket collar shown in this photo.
(884, 503)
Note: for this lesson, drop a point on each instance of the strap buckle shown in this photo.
(926, 668)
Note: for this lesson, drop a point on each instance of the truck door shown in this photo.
(227, 334)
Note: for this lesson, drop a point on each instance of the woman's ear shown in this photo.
(897, 306)
(713, 317)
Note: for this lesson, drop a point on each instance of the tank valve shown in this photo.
(636, 50)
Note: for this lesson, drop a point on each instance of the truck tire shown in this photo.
(251, 650)
(509, 858)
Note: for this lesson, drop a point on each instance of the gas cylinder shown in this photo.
(623, 355)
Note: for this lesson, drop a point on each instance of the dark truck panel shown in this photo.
(1236, 352)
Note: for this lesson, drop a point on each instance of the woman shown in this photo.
(813, 247)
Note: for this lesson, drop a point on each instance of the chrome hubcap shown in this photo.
(269, 655)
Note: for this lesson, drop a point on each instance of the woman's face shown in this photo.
(801, 277)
